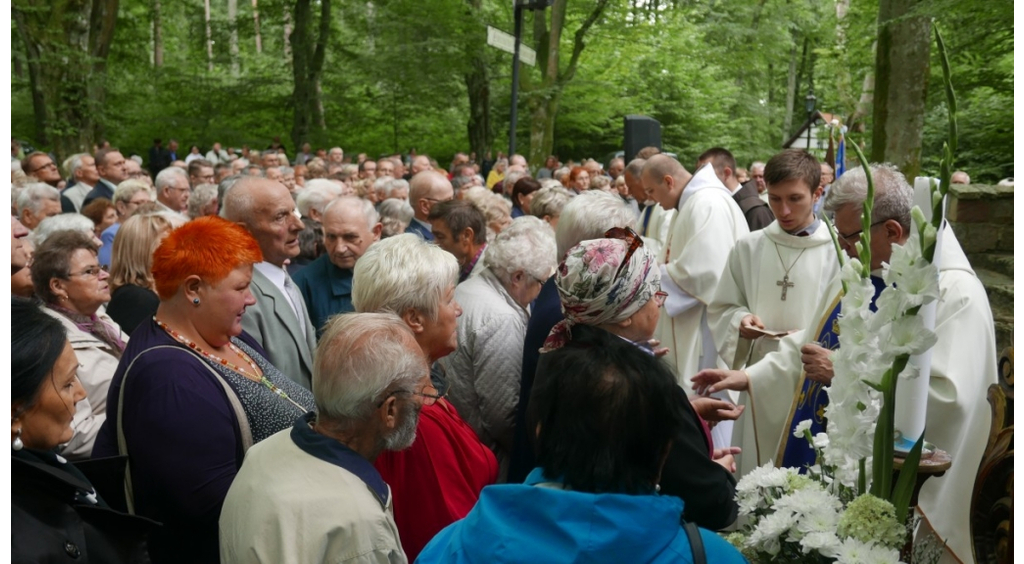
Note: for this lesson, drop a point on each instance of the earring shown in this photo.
(657, 488)
(16, 444)
(195, 301)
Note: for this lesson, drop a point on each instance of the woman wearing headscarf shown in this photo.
(68, 278)
(57, 514)
(610, 291)
(193, 392)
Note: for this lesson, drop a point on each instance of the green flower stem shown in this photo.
(865, 218)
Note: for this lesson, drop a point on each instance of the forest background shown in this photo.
(384, 76)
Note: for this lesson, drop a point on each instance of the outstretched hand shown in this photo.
(714, 410)
(714, 380)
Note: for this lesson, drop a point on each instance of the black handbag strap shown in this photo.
(696, 543)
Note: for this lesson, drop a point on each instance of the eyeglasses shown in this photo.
(851, 239)
(428, 398)
(660, 297)
(91, 272)
(46, 166)
(631, 238)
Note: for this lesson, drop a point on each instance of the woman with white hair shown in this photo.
(203, 201)
(485, 369)
(437, 480)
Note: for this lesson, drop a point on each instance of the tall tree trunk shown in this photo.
(287, 33)
(158, 36)
(308, 53)
(545, 97)
(233, 25)
(787, 120)
(478, 89)
(901, 85)
(66, 49)
(209, 38)
(256, 26)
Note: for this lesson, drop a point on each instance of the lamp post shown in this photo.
(809, 103)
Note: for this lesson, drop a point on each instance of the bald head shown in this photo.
(634, 184)
(664, 179)
(265, 207)
(426, 189)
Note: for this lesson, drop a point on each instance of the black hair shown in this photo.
(37, 341)
(524, 187)
(606, 415)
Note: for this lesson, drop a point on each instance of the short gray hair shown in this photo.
(549, 201)
(127, 189)
(316, 194)
(201, 196)
(382, 187)
(359, 357)
(588, 216)
(34, 194)
(894, 198)
(167, 176)
(371, 215)
(62, 222)
(528, 245)
(74, 163)
(401, 273)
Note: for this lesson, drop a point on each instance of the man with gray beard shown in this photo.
(314, 485)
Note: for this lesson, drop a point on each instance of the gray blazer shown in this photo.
(273, 324)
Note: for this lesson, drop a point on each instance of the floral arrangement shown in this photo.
(840, 511)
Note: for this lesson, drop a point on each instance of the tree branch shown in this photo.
(577, 41)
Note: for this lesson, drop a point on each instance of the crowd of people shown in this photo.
(237, 356)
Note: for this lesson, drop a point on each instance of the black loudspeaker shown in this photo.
(640, 132)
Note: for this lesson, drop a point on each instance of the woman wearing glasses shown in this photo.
(610, 291)
(193, 392)
(437, 480)
(73, 287)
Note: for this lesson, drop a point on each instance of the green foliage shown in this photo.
(713, 73)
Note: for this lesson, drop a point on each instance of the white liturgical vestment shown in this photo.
(701, 236)
(764, 266)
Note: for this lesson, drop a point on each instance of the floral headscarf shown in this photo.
(594, 290)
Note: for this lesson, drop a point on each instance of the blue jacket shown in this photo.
(416, 229)
(326, 289)
(537, 524)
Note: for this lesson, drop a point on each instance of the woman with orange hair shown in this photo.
(193, 392)
(578, 180)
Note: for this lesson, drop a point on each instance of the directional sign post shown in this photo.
(513, 44)
(507, 43)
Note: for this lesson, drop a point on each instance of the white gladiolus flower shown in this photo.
(908, 336)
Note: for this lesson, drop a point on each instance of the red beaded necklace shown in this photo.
(256, 376)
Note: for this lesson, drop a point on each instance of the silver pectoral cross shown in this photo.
(786, 285)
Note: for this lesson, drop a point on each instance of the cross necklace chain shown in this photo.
(785, 283)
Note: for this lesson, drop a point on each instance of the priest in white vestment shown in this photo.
(773, 281)
(705, 228)
(963, 359)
